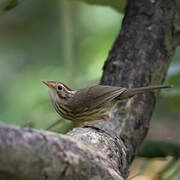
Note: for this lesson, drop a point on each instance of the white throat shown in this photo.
(53, 95)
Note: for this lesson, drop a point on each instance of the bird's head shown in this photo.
(58, 91)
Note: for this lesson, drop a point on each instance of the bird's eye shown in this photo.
(59, 87)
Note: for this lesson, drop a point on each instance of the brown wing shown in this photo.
(90, 98)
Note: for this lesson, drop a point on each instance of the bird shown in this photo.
(92, 103)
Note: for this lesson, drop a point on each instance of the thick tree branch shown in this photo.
(140, 57)
(81, 154)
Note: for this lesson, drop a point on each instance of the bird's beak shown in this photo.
(50, 84)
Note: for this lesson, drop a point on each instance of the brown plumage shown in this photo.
(92, 103)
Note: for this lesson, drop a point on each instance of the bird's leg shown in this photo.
(54, 124)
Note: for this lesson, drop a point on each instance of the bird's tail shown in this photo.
(131, 92)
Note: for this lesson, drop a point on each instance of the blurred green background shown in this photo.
(69, 42)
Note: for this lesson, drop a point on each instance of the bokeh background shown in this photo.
(69, 42)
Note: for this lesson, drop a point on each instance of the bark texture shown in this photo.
(139, 57)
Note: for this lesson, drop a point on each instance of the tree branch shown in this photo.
(82, 153)
(139, 57)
